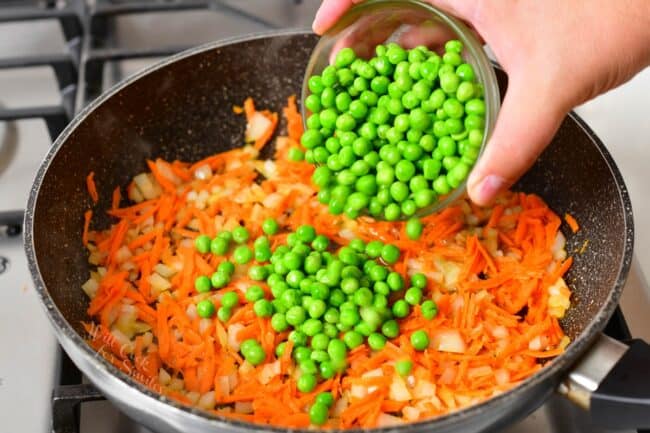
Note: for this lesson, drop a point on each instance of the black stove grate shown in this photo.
(86, 27)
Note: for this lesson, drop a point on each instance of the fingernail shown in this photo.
(316, 25)
(484, 191)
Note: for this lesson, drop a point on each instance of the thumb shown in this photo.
(526, 124)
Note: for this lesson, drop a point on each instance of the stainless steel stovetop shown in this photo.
(50, 66)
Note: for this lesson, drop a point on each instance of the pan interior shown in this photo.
(184, 111)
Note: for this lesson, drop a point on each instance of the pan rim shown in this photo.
(68, 336)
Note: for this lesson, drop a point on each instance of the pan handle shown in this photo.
(612, 382)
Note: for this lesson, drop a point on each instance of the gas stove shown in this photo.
(58, 55)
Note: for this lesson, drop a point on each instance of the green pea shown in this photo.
(279, 322)
(202, 284)
(382, 288)
(379, 85)
(349, 317)
(379, 301)
(344, 57)
(392, 212)
(396, 54)
(328, 76)
(399, 191)
(404, 367)
(376, 341)
(299, 338)
(441, 186)
(371, 317)
(363, 297)
(295, 315)
(313, 122)
(205, 309)
(325, 398)
(327, 370)
(230, 300)
(431, 169)
(328, 97)
(280, 348)
(449, 82)
(318, 414)
(342, 101)
(413, 295)
(270, 226)
(358, 109)
(224, 314)
(336, 350)
(301, 354)
(457, 174)
(242, 254)
(466, 72)
(308, 366)
(452, 58)
(263, 308)
(255, 355)
(424, 198)
(306, 383)
(404, 170)
(219, 280)
(360, 84)
(419, 280)
(312, 327)
(390, 329)
(219, 246)
(311, 138)
(373, 248)
(400, 309)
(475, 106)
(395, 281)
(202, 244)
(345, 77)
(454, 46)
(390, 254)
(315, 84)
(429, 309)
(257, 273)
(378, 272)
(412, 152)
(420, 340)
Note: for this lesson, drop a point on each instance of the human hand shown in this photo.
(557, 55)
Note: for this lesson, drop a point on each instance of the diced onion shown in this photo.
(203, 172)
(385, 420)
(244, 407)
(398, 390)
(448, 340)
(256, 127)
(207, 400)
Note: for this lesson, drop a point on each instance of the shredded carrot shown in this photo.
(498, 289)
(88, 215)
(92, 188)
(117, 197)
(571, 221)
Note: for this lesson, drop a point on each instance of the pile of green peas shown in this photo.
(391, 134)
(330, 299)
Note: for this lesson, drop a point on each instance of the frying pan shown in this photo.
(182, 109)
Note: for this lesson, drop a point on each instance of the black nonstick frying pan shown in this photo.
(182, 109)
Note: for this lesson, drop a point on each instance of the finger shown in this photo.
(366, 34)
(329, 13)
(526, 124)
(465, 9)
(431, 35)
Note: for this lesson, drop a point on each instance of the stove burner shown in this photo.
(4, 264)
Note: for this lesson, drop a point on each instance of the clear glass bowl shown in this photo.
(410, 23)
